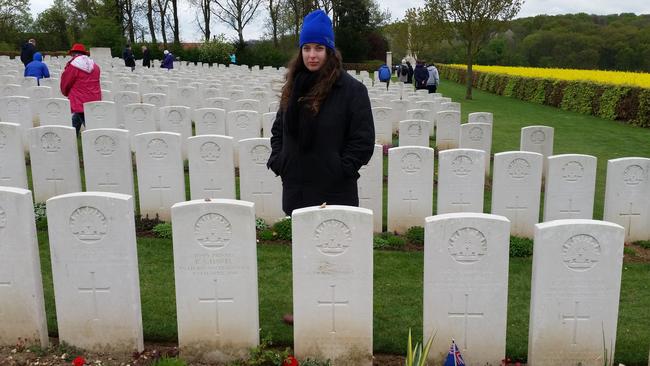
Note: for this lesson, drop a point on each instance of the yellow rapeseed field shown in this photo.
(638, 79)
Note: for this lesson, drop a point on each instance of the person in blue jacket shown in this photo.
(37, 68)
(168, 60)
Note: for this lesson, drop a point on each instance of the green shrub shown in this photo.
(266, 235)
(578, 97)
(163, 230)
(263, 53)
(263, 355)
(260, 224)
(169, 362)
(520, 247)
(282, 229)
(415, 235)
(216, 51)
(645, 244)
(509, 90)
(643, 113)
(388, 241)
(310, 362)
(629, 251)
(610, 98)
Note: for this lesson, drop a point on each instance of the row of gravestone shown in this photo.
(576, 278)
(516, 185)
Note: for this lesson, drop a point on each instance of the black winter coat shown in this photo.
(328, 170)
(146, 58)
(27, 53)
(421, 76)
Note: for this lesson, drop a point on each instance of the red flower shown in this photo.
(290, 361)
(79, 361)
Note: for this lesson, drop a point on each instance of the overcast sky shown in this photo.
(190, 32)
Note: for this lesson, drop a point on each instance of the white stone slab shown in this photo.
(17, 109)
(95, 271)
(247, 105)
(157, 99)
(54, 161)
(215, 267)
(418, 113)
(210, 121)
(267, 123)
(211, 165)
(461, 179)
(187, 96)
(12, 157)
(627, 196)
(383, 125)
(332, 284)
(54, 112)
(22, 307)
(447, 130)
(370, 187)
(243, 125)
(480, 117)
(12, 90)
(123, 98)
(139, 118)
(218, 102)
(413, 132)
(466, 286)
(570, 186)
(177, 119)
(410, 187)
(516, 190)
(537, 139)
(101, 114)
(477, 136)
(257, 183)
(107, 161)
(576, 283)
(161, 181)
(450, 106)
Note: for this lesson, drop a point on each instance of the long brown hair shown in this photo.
(328, 74)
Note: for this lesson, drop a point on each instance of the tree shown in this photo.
(54, 20)
(175, 26)
(152, 28)
(205, 9)
(237, 14)
(14, 17)
(274, 7)
(162, 6)
(473, 21)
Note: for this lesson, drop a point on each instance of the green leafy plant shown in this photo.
(216, 51)
(520, 247)
(388, 241)
(415, 235)
(40, 214)
(264, 355)
(260, 224)
(629, 251)
(416, 356)
(310, 362)
(266, 235)
(171, 361)
(282, 229)
(645, 244)
(163, 230)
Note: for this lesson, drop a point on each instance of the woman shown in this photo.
(37, 68)
(324, 131)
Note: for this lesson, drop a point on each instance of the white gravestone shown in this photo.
(447, 130)
(370, 187)
(54, 161)
(413, 132)
(466, 285)
(95, 271)
(332, 284)
(516, 190)
(247, 105)
(627, 196)
(161, 181)
(423, 114)
(215, 267)
(242, 125)
(410, 186)
(480, 117)
(22, 307)
(12, 90)
(537, 139)
(218, 102)
(54, 112)
(570, 187)
(107, 161)
(101, 114)
(383, 125)
(211, 165)
(13, 172)
(187, 96)
(450, 106)
(575, 287)
(122, 99)
(398, 112)
(157, 99)
(461, 179)
(16, 109)
(139, 118)
(177, 119)
(210, 121)
(257, 183)
(267, 123)
(477, 136)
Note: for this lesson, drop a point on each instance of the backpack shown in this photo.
(384, 73)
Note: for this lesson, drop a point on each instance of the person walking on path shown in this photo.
(129, 59)
(324, 130)
(80, 83)
(146, 57)
(37, 68)
(434, 78)
(409, 75)
(168, 60)
(27, 51)
(421, 75)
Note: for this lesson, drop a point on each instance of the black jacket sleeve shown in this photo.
(276, 143)
(360, 142)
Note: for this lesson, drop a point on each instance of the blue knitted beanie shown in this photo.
(317, 28)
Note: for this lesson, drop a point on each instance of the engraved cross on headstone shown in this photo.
(93, 289)
(54, 179)
(160, 188)
(333, 304)
(216, 300)
(571, 210)
(212, 190)
(410, 199)
(461, 202)
(466, 315)
(629, 215)
(263, 194)
(575, 318)
(107, 181)
(516, 207)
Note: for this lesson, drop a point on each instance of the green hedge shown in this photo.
(615, 102)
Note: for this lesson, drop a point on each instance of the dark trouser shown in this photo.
(78, 119)
(432, 88)
(387, 83)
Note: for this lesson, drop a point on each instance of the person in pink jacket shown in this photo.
(80, 83)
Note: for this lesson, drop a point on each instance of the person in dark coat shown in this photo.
(129, 59)
(146, 57)
(37, 68)
(409, 77)
(324, 130)
(167, 61)
(421, 75)
(27, 51)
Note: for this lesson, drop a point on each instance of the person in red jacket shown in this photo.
(80, 83)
